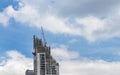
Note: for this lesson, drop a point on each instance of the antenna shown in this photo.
(43, 36)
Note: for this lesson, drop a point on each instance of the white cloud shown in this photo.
(70, 64)
(63, 53)
(4, 20)
(80, 8)
(15, 64)
(89, 68)
(83, 66)
(94, 28)
(89, 26)
(30, 16)
(48, 14)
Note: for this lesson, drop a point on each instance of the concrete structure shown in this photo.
(29, 72)
(44, 64)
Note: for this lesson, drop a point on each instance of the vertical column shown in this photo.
(57, 69)
(38, 64)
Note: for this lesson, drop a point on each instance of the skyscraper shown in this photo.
(44, 63)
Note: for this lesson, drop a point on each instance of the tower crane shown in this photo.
(43, 36)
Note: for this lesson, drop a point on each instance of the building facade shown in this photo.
(44, 63)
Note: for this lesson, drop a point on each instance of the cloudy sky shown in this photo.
(84, 35)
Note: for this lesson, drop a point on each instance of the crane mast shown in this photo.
(43, 36)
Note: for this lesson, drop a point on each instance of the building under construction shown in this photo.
(44, 63)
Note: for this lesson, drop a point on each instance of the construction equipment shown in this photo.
(43, 36)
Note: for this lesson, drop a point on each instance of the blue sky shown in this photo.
(88, 28)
